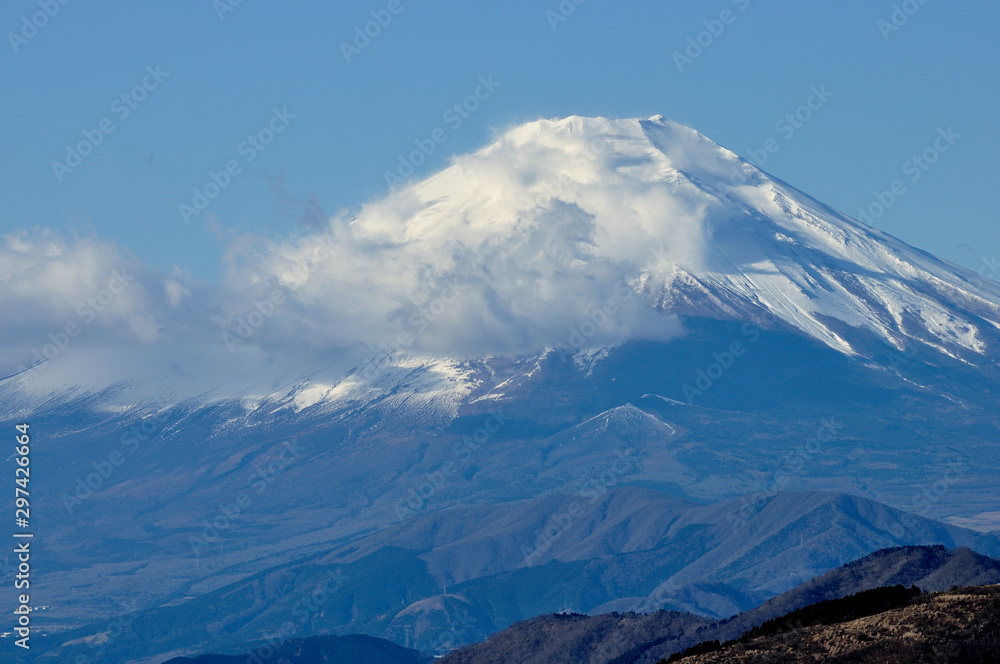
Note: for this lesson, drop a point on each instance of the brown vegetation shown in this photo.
(961, 626)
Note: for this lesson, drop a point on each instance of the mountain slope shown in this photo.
(961, 625)
(642, 639)
(707, 233)
(930, 568)
(585, 305)
(144, 532)
(580, 639)
(455, 576)
(354, 649)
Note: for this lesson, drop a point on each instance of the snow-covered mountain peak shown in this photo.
(570, 203)
(573, 232)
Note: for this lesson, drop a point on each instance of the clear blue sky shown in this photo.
(353, 119)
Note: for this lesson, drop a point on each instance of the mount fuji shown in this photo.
(615, 314)
(707, 234)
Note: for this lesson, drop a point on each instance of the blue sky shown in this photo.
(223, 76)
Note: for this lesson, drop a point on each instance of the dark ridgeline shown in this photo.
(353, 649)
(961, 626)
(830, 612)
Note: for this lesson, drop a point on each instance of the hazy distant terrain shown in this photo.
(964, 626)
(650, 375)
(456, 576)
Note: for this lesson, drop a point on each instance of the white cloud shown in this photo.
(48, 281)
(533, 242)
(176, 292)
(530, 256)
(509, 250)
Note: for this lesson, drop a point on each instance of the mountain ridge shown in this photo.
(498, 364)
(960, 625)
(539, 640)
(430, 582)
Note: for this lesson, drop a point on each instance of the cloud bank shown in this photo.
(507, 251)
(536, 241)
